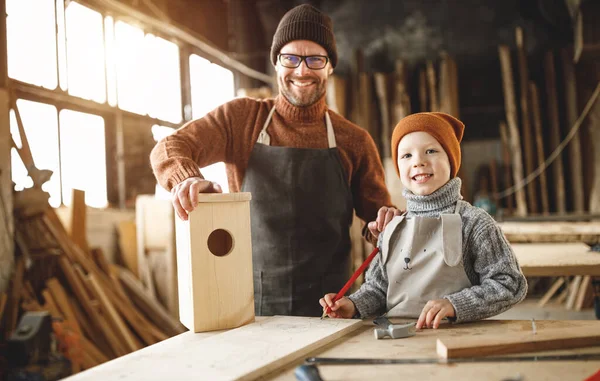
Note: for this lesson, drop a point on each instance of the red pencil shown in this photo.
(352, 279)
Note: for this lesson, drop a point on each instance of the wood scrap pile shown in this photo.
(100, 311)
(574, 292)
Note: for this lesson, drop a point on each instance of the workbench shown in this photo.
(178, 359)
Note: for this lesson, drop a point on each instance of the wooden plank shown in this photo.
(513, 130)
(574, 288)
(401, 106)
(557, 231)
(528, 149)
(3, 299)
(128, 245)
(521, 342)
(62, 300)
(449, 86)
(78, 231)
(583, 289)
(112, 314)
(508, 183)
(337, 90)
(574, 148)
(539, 145)
(423, 104)
(551, 291)
(557, 259)
(149, 305)
(558, 177)
(12, 311)
(382, 92)
(432, 87)
(246, 353)
(594, 120)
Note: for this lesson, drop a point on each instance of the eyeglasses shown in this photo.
(292, 61)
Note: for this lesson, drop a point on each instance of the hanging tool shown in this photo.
(385, 328)
(352, 280)
(376, 361)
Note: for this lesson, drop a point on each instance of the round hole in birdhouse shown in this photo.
(220, 242)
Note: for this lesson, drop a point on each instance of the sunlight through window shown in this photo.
(111, 73)
(85, 53)
(83, 157)
(41, 128)
(211, 85)
(163, 79)
(131, 78)
(32, 51)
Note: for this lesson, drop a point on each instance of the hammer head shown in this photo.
(395, 331)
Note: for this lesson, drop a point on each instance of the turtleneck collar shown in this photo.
(441, 201)
(302, 115)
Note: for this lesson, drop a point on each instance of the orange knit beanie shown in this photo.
(446, 129)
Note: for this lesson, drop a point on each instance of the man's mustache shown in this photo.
(304, 78)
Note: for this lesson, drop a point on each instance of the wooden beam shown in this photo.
(126, 12)
(525, 115)
(574, 152)
(556, 231)
(558, 176)
(556, 259)
(508, 181)
(520, 342)
(423, 104)
(539, 144)
(513, 130)
(78, 230)
(432, 83)
(383, 97)
(550, 293)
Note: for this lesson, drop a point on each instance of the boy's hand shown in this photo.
(384, 216)
(343, 308)
(433, 313)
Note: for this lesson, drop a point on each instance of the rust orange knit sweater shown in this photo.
(229, 133)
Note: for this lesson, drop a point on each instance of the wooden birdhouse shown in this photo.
(214, 263)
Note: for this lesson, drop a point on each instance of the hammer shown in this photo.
(395, 331)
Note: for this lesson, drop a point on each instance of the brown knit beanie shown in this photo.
(305, 22)
(446, 129)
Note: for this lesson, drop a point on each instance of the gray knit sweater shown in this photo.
(490, 264)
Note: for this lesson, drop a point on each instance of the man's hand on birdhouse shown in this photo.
(184, 195)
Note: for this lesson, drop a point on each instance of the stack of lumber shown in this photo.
(563, 247)
(101, 310)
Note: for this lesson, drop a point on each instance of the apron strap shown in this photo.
(264, 138)
(330, 134)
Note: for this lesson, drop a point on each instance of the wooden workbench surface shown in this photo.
(557, 259)
(361, 343)
(175, 358)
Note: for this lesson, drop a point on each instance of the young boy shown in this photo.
(444, 258)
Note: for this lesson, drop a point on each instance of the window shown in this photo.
(148, 77)
(83, 157)
(211, 85)
(85, 53)
(32, 51)
(41, 128)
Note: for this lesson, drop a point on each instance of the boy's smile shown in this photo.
(423, 164)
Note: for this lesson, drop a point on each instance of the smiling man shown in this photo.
(307, 168)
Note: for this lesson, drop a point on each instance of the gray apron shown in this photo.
(423, 260)
(301, 211)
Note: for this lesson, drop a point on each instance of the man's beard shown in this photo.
(304, 99)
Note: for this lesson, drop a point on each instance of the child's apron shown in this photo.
(423, 260)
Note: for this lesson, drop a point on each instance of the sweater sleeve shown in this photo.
(501, 282)
(196, 144)
(371, 298)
